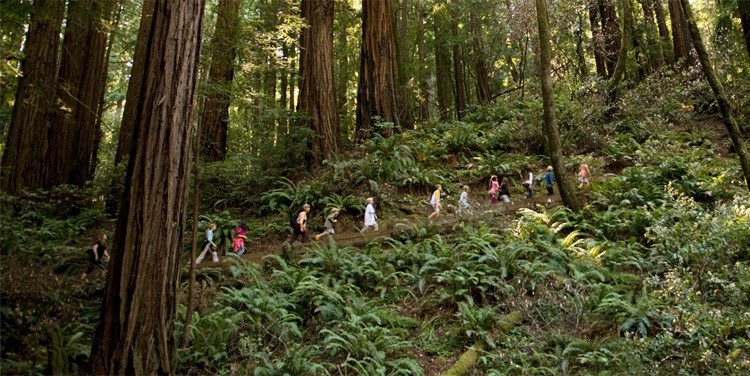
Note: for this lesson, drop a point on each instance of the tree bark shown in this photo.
(214, 120)
(622, 56)
(458, 73)
(403, 73)
(23, 164)
(583, 70)
(424, 75)
(442, 63)
(376, 97)
(135, 335)
(655, 54)
(744, 11)
(611, 34)
(480, 65)
(552, 132)
(680, 34)
(661, 22)
(81, 82)
(726, 110)
(132, 98)
(597, 39)
(317, 94)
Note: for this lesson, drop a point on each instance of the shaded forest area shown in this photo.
(149, 120)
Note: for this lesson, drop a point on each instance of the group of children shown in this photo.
(498, 190)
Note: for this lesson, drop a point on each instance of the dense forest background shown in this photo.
(148, 120)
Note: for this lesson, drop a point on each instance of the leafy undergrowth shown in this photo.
(651, 277)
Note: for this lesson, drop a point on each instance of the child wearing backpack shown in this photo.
(238, 243)
(299, 227)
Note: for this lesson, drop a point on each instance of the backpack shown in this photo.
(293, 219)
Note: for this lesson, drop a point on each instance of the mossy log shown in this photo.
(470, 356)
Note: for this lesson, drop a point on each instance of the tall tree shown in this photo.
(215, 109)
(713, 80)
(135, 335)
(622, 56)
(424, 74)
(661, 22)
(744, 10)
(81, 82)
(376, 95)
(403, 68)
(442, 60)
(480, 65)
(23, 164)
(552, 132)
(317, 95)
(611, 34)
(133, 96)
(680, 34)
(654, 47)
(597, 38)
(458, 72)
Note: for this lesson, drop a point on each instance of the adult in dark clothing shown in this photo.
(300, 225)
(97, 255)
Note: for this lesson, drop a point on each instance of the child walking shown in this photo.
(494, 188)
(208, 244)
(435, 202)
(463, 200)
(549, 181)
(505, 190)
(528, 184)
(370, 216)
(583, 175)
(97, 255)
(238, 243)
(330, 220)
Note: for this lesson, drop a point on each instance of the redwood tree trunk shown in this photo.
(656, 56)
(317, 94)
(403, 73)
(611, 34)
(424, 75)
(483, 78)
(442, 64)
(458, 73)
(135, 335)
(132, 98)
(597, 39)
(744, 10)
(550, 120)
(23, 164)
(680, 34)
(726, 110)
(73, 131)
(376, 95)
(661, 22)
(215, 116)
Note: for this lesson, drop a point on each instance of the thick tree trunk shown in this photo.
(743, 6)
(215, 109)
(656, 56)
(317, 94)
(680, 34)
(480, 66)
(597, 39)
(133, 96)
(376, 97)
(661, 22)
(583, 70)
(622, 56)
(135, 335)
(552, 132)
(611, 33)
(424, 74)
(23, 164)
(442, 64)
(458, 74)
(726, 110)
(403, 73)
(73, 131)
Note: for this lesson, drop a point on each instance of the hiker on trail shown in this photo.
(583, 175)
(494, 188)
(549, 181)
(435, 202)
(209, 245)
(240, 237)
(97, 256)
(300, 225)
(370, 216)
(528, 184)
(505, 190)
(463, 200)
(330, 220)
